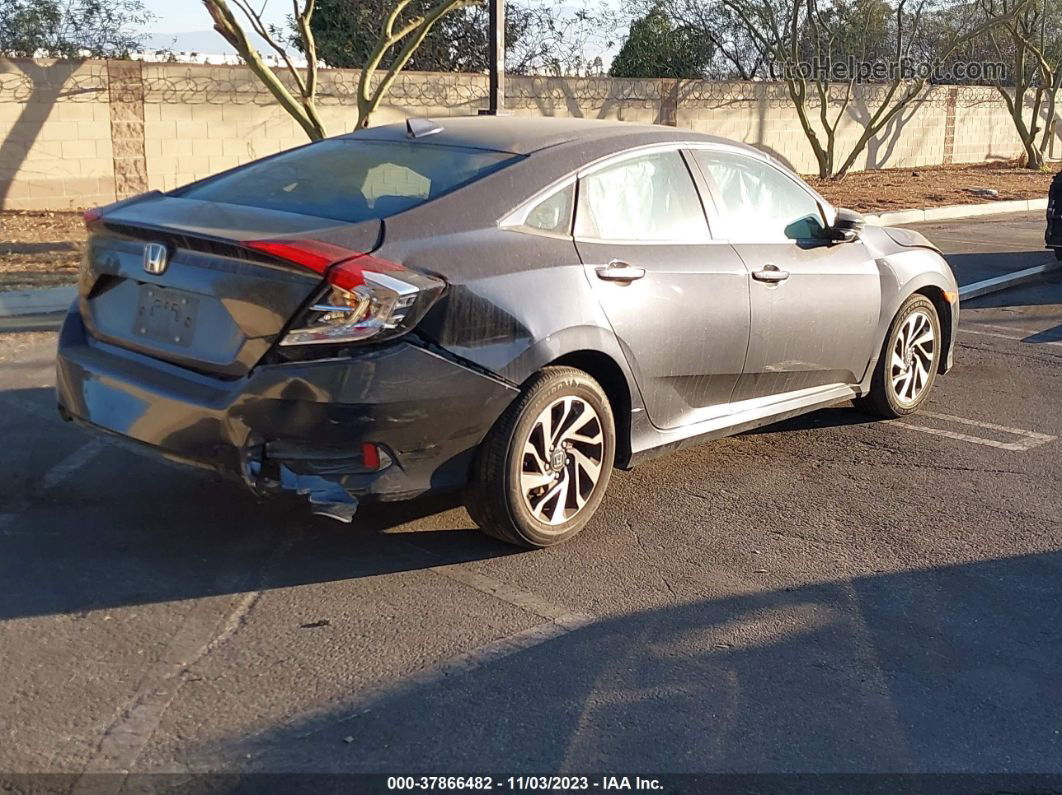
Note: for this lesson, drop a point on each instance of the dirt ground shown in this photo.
(39, 249)
(937, 186)
(43, 249)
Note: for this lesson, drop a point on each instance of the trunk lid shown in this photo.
(212, 305)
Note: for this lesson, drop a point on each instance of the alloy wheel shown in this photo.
(562, 460)
(913, 358)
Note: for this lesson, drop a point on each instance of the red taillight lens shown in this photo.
(370, 455)
(92, 216)
(312, 254)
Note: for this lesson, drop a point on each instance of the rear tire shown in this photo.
(542, 471)
(1058, 253)
(909, 361)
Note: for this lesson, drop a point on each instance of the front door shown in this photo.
(677, 301)
(815, 303)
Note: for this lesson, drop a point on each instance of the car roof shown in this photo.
(524, 135)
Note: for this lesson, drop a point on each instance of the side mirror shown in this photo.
(847, 226)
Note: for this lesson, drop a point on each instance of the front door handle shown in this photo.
(617, 271)
(771, 274)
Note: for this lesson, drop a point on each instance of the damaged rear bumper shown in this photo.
(390, 423)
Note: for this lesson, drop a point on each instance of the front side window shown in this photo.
(756, 201)
(645, 199)
(352, 180)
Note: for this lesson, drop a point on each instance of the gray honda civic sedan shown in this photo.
(507, 306)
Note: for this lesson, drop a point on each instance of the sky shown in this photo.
(185, 25)
(190, 17)
(181, 16)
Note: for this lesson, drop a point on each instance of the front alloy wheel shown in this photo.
(542, 471)
(909, 362)
(914, 357)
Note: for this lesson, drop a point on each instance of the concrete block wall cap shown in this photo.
(955, 212)
(36, 302)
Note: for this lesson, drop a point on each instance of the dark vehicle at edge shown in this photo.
(1053, 237)
(508, 306)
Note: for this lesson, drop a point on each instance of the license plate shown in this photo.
(166, 315)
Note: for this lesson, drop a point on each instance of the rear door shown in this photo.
(815, 303)
(677, 300)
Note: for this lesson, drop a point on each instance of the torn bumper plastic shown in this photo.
(389, 423)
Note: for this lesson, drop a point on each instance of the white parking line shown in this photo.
(1007, 280)
(968, 330)
(72, 463)
(1026, 331)
(560, 621)
(455, 666)
(203, 630)
(1029, 439)
(52, 478)
(517, 597)
(1002, 243)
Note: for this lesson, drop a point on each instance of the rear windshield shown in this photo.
(351, 180)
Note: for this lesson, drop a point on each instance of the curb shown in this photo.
(1006, 281)
(36, 302)
(955, 211)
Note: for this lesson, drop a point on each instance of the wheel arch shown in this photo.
(607, 372)
(944, 312)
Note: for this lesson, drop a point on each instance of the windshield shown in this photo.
(351, 180)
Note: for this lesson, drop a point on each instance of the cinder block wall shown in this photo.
(81, 133)
(55, 134)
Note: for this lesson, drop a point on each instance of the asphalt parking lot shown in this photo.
(828, 595)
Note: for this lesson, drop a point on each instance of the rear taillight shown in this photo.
(92, 216)
(367, 298)
(312, 254)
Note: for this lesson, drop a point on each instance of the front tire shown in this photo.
(1058, 253)
(542, 471)
(909, 361)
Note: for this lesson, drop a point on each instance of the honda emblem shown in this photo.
(156, 258)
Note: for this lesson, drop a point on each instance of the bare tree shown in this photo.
(736, 56)
(403, 35)
(400, 35)
(541, 36)
(821, 50)
(558, 38)
(301, 103)
(1031, 43)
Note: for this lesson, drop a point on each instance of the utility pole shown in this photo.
(497, 58)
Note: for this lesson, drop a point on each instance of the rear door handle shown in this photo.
(617, 271)
(771, 274)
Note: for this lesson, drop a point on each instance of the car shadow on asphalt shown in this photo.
(835, 417)
(130, 529)
(952, 668)
(127, 529)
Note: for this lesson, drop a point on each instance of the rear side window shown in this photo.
(352, 180)
(550, 216)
